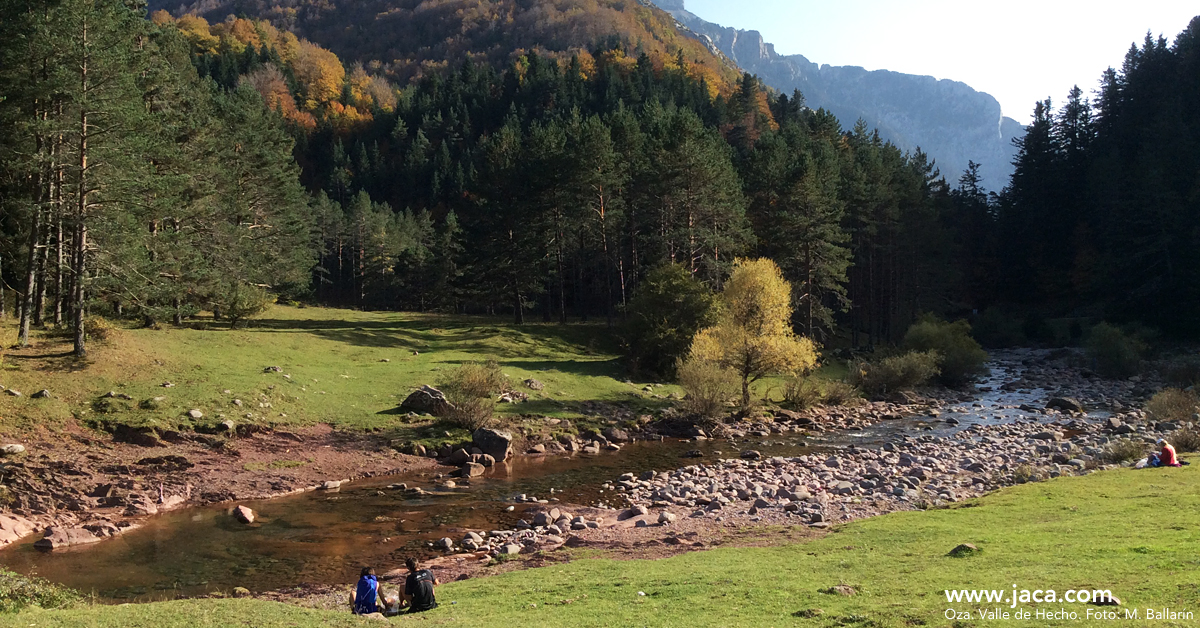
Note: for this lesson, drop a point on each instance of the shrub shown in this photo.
(1026, 473)
(99, 329)
(962, 359)
(1124, 450)
(239, 301)
(1114, 353)
(709, 387)
(666, 311)
(839, 393)
(1183, 372)
(471, 389)
(801, 393)
(898, 372)
(18, 592)
(1186, 440)
(1172, 404)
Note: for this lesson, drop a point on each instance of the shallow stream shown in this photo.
(325, 537)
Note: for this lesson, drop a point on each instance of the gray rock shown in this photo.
(472, 469)
(41, 394)
(510, 549)
(494, 443)
(616, 435)
(534, 384)
(666, 517)
(12, 450)
(444, 543)
(426, 400)
(751, 454)
(1065, 404)
(195, 414)
(12, 392)
(244, 514)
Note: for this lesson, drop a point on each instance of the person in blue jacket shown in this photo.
(366, 594)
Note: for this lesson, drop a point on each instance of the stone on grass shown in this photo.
(964, 549)
(41, 394)
(426, 400)
(195, 414)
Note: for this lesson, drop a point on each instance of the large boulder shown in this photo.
(427, 400)
(58, 537)
(494, 443)
(1065, 404)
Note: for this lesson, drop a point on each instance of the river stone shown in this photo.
(332, 485)
(510, 549)
(12, 450)
(1065, 404)
(13, 528)
(472, 469)
(666, 517)
(458, 457)
(751, 454)
(1046, 435)
(495, 443)
(616, 435)
(244, 514)
(426, 400)
(58, 537)
(445, 543)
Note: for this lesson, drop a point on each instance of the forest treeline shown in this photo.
(157, 167)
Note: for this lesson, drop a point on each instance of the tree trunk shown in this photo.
(31, 259)
(81, 209)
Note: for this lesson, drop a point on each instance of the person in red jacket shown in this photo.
(1166, 456)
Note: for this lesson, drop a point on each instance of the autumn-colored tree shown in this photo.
(753, 335)
(269, 82)
(320, 74)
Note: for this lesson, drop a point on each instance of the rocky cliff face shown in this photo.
(947, 119)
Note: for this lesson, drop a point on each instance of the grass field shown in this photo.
(1132, 532)
(333, 369)
(347, 368)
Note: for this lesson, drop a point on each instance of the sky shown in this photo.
(1019, 51)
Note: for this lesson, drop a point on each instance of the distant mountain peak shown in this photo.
(949, 120)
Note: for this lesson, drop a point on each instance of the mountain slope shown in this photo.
(404, 38)
(949, 120)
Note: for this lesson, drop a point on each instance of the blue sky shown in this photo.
(1019, 51)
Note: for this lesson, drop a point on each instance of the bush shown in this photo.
(710, 388)
(666, 311)
(1115, 354)
(472, 389)
(18, 592)
(962, 359)
(839, 393)
(1186, 440)
(806, 392)
(801, 393)
(239, 301)
(1183, 372)
(1124, 450)
(99, 329)
(1026, 473)
(1172, 404)
(898, 372)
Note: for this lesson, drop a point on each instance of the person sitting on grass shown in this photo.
(418, 587)
(366, 594)
(1165, 457)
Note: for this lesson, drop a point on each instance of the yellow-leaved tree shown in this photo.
(753, 336)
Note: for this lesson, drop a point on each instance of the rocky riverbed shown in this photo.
(1028, 421)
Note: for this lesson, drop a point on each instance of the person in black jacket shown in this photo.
(418, 587)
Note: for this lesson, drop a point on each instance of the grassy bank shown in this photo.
(1133, 532)
(347, 368)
